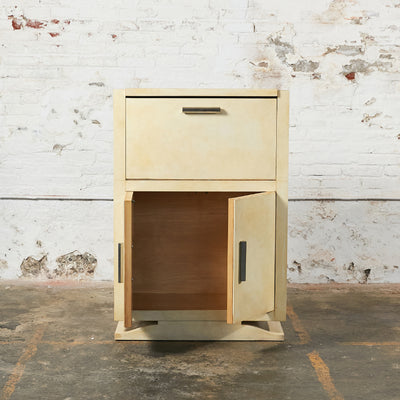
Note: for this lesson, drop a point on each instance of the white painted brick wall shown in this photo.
(59, 62)
(344, 241)
(54, 228)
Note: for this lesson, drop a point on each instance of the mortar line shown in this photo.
(19, 368)
(298, 326)
(324, 376)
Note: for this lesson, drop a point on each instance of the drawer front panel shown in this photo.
(163, 142)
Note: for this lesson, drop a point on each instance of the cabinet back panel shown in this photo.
(180, 250)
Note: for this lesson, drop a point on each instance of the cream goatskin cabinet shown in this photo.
(200, 213)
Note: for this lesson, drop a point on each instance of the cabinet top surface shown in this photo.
(202, 92)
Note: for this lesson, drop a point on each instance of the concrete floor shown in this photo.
(56, 342)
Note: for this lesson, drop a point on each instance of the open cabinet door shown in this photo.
(251, 257)
(128, 241)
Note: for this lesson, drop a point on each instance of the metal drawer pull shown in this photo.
(119, 262)
(201, 110)
(242, 261)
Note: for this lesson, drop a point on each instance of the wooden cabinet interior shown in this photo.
(179, 255)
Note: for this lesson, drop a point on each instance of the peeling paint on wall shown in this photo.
(47, 256)
(346, 50)
(342, 241)
(75, 264)
(34, 24)
(305, 66)
(34, 268)
(367, 117)
(372, 100)
(3, 264)
(365, 67)
(58, 148)
(15, 24)
(20, 21)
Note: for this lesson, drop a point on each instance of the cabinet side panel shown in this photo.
(281, 205)
(119, 192)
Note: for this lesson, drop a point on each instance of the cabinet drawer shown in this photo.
(164, 142)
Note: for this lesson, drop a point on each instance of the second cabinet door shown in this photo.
(251, 257)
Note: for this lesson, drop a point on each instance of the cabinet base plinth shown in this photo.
(201, 330)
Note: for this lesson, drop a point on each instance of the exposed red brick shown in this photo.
(55, 21)
(67, 21)
(113, 36)
(350, 76)
(54, 34)
(15, 24)
(34, 24)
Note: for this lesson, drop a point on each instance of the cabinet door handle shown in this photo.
(201, 110)
(119, 262)
(242, 261)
